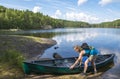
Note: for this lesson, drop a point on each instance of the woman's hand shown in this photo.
(71, 67)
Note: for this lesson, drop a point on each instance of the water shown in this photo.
(105, 40)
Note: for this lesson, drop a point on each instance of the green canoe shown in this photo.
(61, 66)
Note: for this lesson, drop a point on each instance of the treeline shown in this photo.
(113, 24)
(20, 19)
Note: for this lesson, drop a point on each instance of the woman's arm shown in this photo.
(79, 59)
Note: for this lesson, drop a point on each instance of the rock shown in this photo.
(47, 27)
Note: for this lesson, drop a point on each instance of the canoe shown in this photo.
(61, 66)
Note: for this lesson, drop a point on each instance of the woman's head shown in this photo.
(82, 47)
(77, 48)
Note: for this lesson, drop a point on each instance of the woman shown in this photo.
(91, 52)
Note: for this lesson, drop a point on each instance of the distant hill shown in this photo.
(113, 24)
(20, 19)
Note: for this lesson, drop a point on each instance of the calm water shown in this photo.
(105, 40)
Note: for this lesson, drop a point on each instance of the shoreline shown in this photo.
(29, 46)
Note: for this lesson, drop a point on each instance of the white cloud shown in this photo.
(36, 9)
(80, 2)
(57, 14)
(81, 17)
(105, 2)
(71, 9)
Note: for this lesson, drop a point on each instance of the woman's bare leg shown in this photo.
(94, 66)
(86, 65)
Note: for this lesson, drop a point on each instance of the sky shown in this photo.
(91, 11)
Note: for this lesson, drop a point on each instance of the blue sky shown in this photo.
(92, 11)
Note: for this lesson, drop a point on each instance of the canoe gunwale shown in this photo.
(32, 62)
(112, 56)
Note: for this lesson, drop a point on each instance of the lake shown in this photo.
(106, 40)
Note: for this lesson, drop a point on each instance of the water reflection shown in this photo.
(97, 38)
(74, 37)
(113, 73)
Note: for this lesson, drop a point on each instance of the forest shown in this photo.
(25, 19)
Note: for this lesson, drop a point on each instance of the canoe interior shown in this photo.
(64, 62)
(67, 62)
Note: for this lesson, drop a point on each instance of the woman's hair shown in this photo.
(78, 47)
(85, 46)
(82, 47)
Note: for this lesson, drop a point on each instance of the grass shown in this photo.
(14, 49)
(12, 57)
(11, 64)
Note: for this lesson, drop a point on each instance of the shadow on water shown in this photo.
(37, 33)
